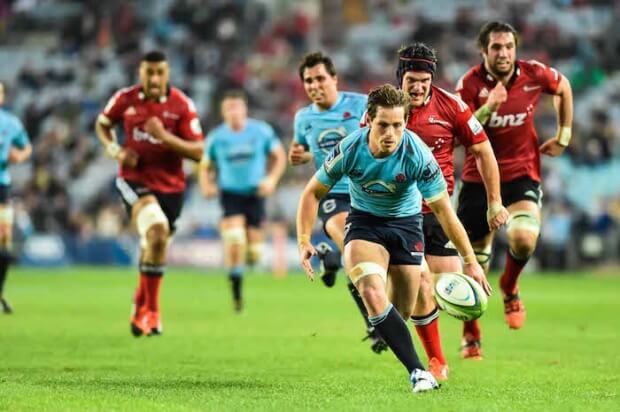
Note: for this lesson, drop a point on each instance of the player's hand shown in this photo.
(128, 158)
(497, 215)
(497, 96)
(552, 148)
(209, 190)
(306, 251)
(266, 186)
(296, 154)
(474, 270)
(154, 127)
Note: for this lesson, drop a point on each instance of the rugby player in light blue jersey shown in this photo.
(390, 171)
(14, 148)
(318, 128)
(248, 159)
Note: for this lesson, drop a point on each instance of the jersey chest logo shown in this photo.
(517, 119)
(141, 136)
(434, 120)
(329, 138)
(379, 188)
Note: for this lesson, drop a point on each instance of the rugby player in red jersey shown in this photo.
(504, 93)
(440, 119)
(161, 129)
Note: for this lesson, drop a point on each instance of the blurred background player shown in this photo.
(248, 159)
(504, 93)
(14, 148)
(318, 128)
(161, 129)
(442, 121)
(389, 169)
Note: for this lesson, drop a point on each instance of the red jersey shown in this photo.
(159, 167)
(511, 129)
(440, 121)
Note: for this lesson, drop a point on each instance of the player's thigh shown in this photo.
(334, 227)
(6, 224)
(472, 209)
(255, 234)
(232, 222)
(443, 264)
(359, 251)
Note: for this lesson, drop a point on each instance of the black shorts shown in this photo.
(472, 209)
(436, 242)
(251, 206)
(4, 194)
(331, 205)
(170, 203)
(402, 237)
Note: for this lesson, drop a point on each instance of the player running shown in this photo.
(161, 129)
(318, 128)
(249, 161)
(388, 167)
(14, 148)
(442, 121)
(504, 93)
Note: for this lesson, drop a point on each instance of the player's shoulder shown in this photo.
(448, 101)
(353, 140)
(303, 113)
(259, 125)
(355, 98)
(533, 68)
(130, 92)
(9, 119)
(471, 77)
(217, 132)
(177, 95)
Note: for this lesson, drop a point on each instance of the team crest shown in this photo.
(346, 115)
(400, 178)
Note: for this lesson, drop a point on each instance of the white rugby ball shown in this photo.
(460, 296)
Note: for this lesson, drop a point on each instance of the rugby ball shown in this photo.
(460, 296)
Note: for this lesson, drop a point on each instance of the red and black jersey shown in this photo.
(511, 129)
(440, 121)
(159, 168)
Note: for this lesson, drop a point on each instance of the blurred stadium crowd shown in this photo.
(63, 59)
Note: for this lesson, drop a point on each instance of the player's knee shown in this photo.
(153, 228)
(157, 238)
(483, 256)
(374, 297)
(254, 253)
(234, 236)
(522, 244)
(425, 292)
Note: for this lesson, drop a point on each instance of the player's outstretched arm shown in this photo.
(489, 171)
(19, 155)
(306, 215)
(276, 167)
(189, 149)
(455, 231)
(298, 155)
(563, 103)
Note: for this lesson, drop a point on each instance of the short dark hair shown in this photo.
(235, 94)
(312, 59)
(494, 27)
(154, 56)
(387, 96)
(415, 57)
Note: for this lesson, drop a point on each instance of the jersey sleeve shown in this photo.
(467, 128)
(332, 169)
(114, 109)
(465, 89)
(208, 155)
(430, 180)
(298, 135)
(20, 137)
(189, 124)
(548, 77)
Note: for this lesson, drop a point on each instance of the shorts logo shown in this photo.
(400, 178)
(329, 206)
(531, 194)
(449, 245)
(418, 246)
(346, 228)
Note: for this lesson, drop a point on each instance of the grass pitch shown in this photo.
(296, 347)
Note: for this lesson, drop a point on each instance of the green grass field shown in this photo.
(296, 347)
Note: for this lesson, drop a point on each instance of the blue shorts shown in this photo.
(402, 237)
(331, 205)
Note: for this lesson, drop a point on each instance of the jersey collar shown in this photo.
(489, 77)
(315, 108)
(162, 99)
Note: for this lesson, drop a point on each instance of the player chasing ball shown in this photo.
(245, 159)
(389, 169)
(161, 129)
(318, 128)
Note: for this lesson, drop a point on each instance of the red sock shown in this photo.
(140, 295)
(152, 284)
(472, 328)
(429, 336)
(514, 267)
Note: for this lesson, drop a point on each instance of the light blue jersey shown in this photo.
(389, 186)
(12, 133)
(241, 157)
(321, 131)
